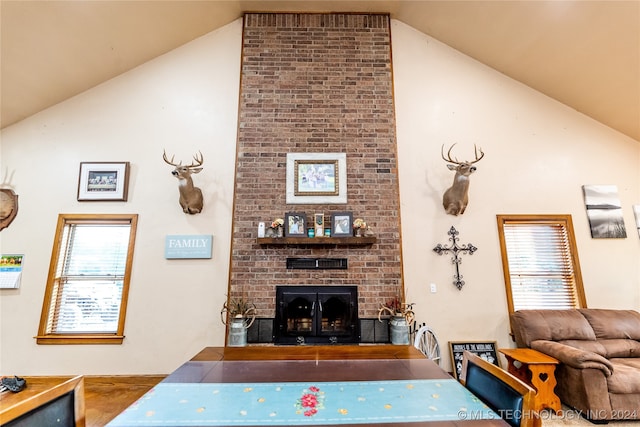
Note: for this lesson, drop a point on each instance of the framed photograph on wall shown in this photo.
(295, 224)
(316, 178)
(341, 224)
(604, 211)
(103, 181)
(485, 349)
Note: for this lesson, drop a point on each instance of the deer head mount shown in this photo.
(190, 196)
(456, 197)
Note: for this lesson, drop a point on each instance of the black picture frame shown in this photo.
(342, 224)
(295, 224)
(487, 350)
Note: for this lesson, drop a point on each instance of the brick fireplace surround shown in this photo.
(316, 83)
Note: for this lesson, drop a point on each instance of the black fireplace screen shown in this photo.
(316, 315)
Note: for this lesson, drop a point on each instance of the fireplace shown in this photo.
(316, 315)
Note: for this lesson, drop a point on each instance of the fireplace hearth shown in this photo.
(316, 315)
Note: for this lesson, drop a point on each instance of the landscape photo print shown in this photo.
(604, 211)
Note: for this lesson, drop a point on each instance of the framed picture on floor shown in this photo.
(485, 349)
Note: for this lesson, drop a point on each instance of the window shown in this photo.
(540, 262)
(86, 296)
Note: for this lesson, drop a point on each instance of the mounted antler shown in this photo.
(190, 196)
(456, 197)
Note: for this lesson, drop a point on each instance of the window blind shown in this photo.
(540, 264)
(87, 292)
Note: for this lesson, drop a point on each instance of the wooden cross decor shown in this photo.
(455, 249)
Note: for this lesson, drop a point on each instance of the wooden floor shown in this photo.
(106, 397)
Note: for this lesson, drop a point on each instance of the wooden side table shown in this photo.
(35, 387)
(538, 370)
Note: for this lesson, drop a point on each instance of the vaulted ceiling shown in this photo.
(585, 54)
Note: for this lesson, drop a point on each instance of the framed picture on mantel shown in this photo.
(295, 224)
(316, 178)
(318, 224)
(341, 224)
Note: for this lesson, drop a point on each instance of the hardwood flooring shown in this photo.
(106, 397)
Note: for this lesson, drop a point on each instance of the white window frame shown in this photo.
(48, 332)
(533, 277)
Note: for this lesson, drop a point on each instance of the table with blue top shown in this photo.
(311, 385)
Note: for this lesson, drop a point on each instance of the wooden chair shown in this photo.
(63, 403)
(505, 394)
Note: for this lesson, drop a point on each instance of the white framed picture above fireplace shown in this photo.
(316, 178)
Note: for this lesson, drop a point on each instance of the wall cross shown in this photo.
(455, 249)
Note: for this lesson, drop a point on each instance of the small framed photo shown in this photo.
(103, 181)
(295, 224)
(318, 224)
(484, 349)
(341, 224)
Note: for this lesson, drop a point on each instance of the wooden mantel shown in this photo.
(338, 241)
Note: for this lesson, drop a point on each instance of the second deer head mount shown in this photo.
(456, 197)
(190, 196)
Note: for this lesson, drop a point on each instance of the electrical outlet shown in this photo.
(433, 288)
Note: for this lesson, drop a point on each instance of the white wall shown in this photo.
(184, 101)
(538, 154)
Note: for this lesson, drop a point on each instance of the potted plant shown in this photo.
(238, 314)
(401, 316)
